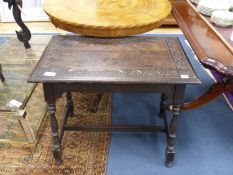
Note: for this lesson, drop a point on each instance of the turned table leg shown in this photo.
(175, 108)
(56, 146)
(170, 151)
(50, 98)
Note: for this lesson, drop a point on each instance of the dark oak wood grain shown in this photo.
(135, 60)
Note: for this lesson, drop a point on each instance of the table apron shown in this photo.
(57, 89)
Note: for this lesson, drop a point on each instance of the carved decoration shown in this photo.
(177, 53)
(218, 66)
(181, 66)
(23, 35)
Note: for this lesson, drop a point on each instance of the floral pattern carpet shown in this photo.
(83, 152)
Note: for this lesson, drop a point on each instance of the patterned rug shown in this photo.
(83, 152)
(12, 130)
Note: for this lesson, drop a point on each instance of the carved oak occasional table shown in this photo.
(132, 64)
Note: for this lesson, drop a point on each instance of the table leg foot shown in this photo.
(170, 154)
(70, 104)
(171, 135)
(57, 157)
(95, 103)
(56, 146)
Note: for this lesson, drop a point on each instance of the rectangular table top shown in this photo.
(137, 59)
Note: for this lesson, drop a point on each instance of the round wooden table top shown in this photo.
(107, 18)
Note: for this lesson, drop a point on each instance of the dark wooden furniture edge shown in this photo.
(226, 85)
(202, 56)
(206, 19)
